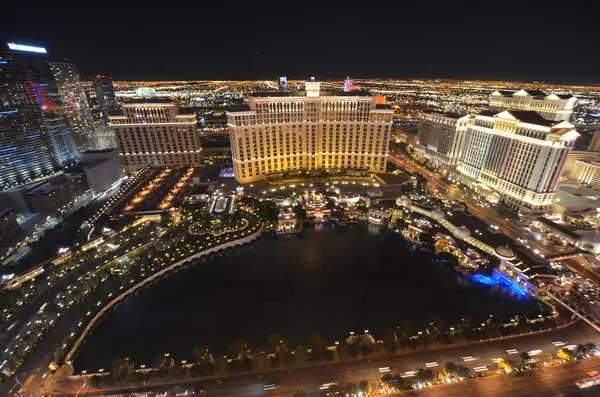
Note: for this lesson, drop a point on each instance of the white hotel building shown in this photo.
(156, 134)
(552, 107)
(516, 155)
(441, 137)
(308, 130)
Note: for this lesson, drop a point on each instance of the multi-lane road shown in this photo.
(37, 360)
(475, 355)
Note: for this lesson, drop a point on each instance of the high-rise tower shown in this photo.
(27, 151)
(308, 130)
(156, 133)
(105, 96)
(517, 154)
(77, 109)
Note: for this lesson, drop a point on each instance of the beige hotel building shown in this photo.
(442, 137)
(555, 107)
(156, 134)
(517, 155)
(308, 130)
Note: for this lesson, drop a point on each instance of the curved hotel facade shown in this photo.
(308, 130)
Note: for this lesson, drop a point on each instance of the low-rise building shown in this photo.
(58, 194)
(407, 136)
(287, 220)
(573, 200)
(378, 214)
(9, 227)
(102, 168)
(557, 230)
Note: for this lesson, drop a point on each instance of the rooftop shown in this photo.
(54, 184)
(238, 108)
(536, 93)
(99, 151)
(525, 116)
(4, 211)
(95, 163)
(478, 229)
(148, 100)
(558, 227)
(279, 94)
(531, 117)
(451, 115)
(574, 197)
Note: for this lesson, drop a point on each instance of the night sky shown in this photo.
(523, 41)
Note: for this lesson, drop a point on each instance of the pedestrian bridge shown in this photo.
(582, 314)
(563, 255)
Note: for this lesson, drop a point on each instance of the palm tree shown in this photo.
(424, 375)
(392, 382)
(524, 357)
(564, 354)
(202, 354)
(505, 365)
(450, 366)
(581, 349)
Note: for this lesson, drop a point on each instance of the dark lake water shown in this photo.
(327, 279)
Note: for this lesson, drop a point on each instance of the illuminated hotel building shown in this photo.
(516, 156)
(578, 155)
(552, 107)
(587, 173)
(27, 151)
(156, 134)
(441, 137)
(308, 130)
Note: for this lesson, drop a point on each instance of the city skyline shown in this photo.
(512, 42)
(300, 200)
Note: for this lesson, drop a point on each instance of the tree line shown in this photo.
(242, 355)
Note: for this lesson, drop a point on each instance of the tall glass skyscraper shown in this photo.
(27, 151)
(77, 109)
(105, 96)
(54, 108)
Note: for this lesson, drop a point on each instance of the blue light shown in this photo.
(23, 165)
(27, 153)
(6, 150)
(9, 111)
(3, 62)
(33, 136)
(66, 132)
(14, 162)
(5, 155)
(497, 280)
